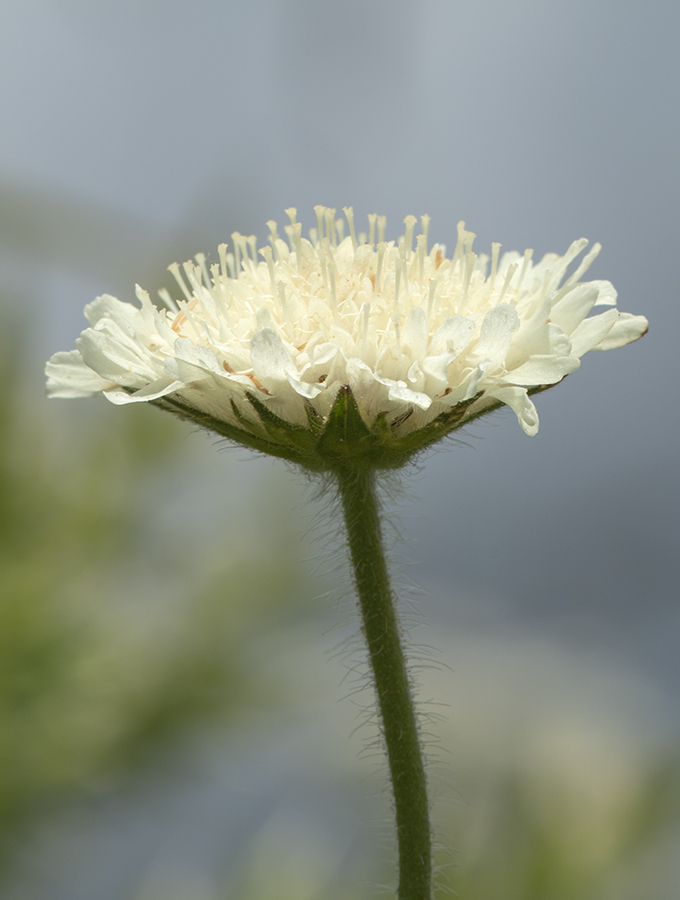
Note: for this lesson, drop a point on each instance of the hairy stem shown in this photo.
(400, 730)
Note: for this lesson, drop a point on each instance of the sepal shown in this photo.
(341, 440)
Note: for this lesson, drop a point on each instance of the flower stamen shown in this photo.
(343, 299)
(371, 228)
(174, 268)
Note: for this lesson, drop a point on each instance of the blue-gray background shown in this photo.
(136, 133)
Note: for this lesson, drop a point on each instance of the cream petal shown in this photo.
(68, 376)
(529, 337)
(542, 370)
(108, 307)
(625, 330)
(185, 372)
(572, 309)
(112, 360)
(557, 344)
(265, 319)
(414, 338)
(435, 371)
(518, 400)
(324, 353)
(416, 377)
(272, 363)
(304, 389)
(153, 391)
(607, 293)
(467, 388)
(498, 328)
(198, 356)
(359, 374)
(400, 391)
(591, 331)
(452, 336)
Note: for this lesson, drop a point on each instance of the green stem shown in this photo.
(399, 725)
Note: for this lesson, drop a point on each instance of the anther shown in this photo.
(495, 250)
(367, 312)
(421, 250)
(297, 239)
(585, 264)
(184, 308)
(371, 228)
(460, 245)
(382, 224)
(267, 253)
(382, 246)
(236, 239)
(193, 273)
(425, 225)
(349, 215)
(252, 243)
(174, 268)
(397, 285)
(470, 260)
(273, 236)
(331, 273)
(221, 295)
(430, 300)
(527, 257)
(145, 300)
(164, 294)
(200, 259)
(222, 250)
(410, 223)
(566, 260)
(282, 298)
(319, 210)
(329, 215)
(397, 335)
(323, 259)
(289, 236)
(404, 267)
(508, 278)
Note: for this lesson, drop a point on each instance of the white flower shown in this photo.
(417, 338)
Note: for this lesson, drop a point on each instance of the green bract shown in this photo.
(341, 439)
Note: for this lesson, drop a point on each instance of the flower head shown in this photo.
(315, 349)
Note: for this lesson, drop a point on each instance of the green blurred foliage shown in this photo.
(95, 679)
(526, 847)
(525, 839)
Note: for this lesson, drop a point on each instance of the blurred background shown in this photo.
(178, 653)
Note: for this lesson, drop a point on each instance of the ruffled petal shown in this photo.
(572, 309)
(624, 331)
(498, 328)
(518, 400)
(542, 370)
(400, 391)
(272, 363)
(452, 337)
(591, 331)
(68, 376)
(151, 392)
